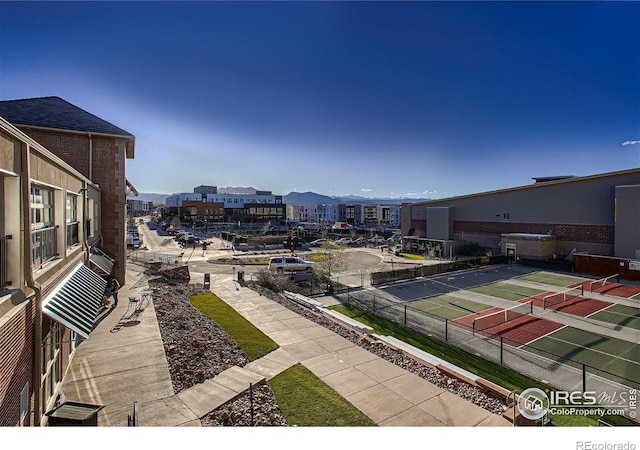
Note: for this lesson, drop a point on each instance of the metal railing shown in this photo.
(72, 234)
(44, 246)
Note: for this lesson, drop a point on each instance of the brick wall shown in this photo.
(16, 364)
(595, 234)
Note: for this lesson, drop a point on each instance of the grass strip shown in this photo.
(305, 400)
(488, 370)
(253, 342)
(412, 256)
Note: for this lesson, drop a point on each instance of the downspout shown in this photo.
(90, 174)
(85, 230)
(31, 283)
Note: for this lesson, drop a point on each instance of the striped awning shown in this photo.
(102, 262)
(75, 302)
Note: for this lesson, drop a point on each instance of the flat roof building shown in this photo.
(597, 213)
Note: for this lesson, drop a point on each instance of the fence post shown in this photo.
(501, 347)
(251, 402)
(584, 378)
(374, 303)
(405, 315)
(446, 329)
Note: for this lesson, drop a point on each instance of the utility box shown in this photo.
(240, 275)
(74, 414)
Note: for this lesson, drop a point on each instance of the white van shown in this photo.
(290, 264)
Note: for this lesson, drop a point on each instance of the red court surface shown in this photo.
(578, 306)
(618, 290)
(516, 332)
(613, 289)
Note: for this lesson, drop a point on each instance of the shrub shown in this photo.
(272, 281)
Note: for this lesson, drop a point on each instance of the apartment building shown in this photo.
(255, 207)
(94, 147)
(52, 277)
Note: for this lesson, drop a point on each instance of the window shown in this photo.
(43, 233)
(41, 208)
(72, 220)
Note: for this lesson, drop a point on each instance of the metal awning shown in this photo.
(131, 190)
(102, 262)
(75, 302)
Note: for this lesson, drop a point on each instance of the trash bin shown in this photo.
(74, 414)
(240, 275)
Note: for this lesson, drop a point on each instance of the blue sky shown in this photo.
(380, 99)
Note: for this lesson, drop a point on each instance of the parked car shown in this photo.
(134, 240)
(290, 264)
(344, 241)
(377, 240)
(396, 239)
(359, 240)
(317, 242)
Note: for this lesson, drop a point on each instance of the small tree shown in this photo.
(330, 259)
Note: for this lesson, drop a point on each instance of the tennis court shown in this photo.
(569, 302)
(616, 357)
(515, 326)
(550, 278)
(448, 307)
(610, 286)
(626, 316)
(507, 291)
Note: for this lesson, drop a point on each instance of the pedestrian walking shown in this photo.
(115, 287)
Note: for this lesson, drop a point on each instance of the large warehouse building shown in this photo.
(552, 218)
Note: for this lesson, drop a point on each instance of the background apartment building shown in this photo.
(357, 215)
(205, 203)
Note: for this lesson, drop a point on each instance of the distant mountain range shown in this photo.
(294, 197)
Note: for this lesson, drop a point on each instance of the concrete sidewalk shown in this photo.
(123, 361)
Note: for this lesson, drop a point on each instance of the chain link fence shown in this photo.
(558, 371)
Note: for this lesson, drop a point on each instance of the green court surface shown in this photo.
(627, 316)
(553, 279)
(448, 306)
(614, 357)
(506, 291)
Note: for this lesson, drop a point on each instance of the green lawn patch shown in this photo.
(305, 400)
(253, 342)
(411, 256)
(496, 373)
(506, 291)
(263, 262)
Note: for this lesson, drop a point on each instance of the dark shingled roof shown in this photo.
(54, 112)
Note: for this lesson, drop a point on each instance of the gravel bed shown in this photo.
(197, 349)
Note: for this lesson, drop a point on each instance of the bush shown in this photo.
(272, 281)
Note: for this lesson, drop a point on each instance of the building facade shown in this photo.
(597, 214)
(205, 203)
(49, 229)
(94, 147)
